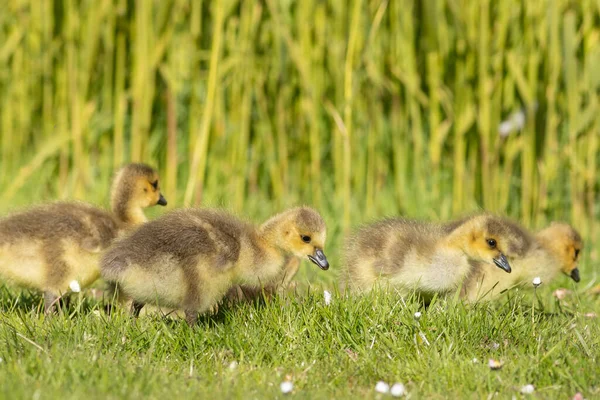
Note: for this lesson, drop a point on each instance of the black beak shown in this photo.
(161, 200)
(502, 262)
(575, 275)
(320, 259)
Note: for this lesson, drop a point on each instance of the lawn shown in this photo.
(336, 350)
(362, 109)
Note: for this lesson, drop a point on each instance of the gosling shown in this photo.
(55, 247)
(188, 259)
(553, 250)
(426, 257)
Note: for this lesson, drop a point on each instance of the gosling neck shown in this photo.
(544, 259)
(126, 213)
(267, 260)
(459, 237)
(272, 233)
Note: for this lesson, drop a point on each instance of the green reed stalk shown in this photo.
(198, 165)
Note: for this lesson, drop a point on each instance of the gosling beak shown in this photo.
(319, 259)
(502, 262)
(575, 275)
(161, 200)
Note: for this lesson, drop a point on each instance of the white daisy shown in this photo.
(382, 387)
(74, 286)
(286, 387)
(398, 390)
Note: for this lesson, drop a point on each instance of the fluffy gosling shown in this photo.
(427, 257)
(55, 247)
(553, 250)
(189, 259)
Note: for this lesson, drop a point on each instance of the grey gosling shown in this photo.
(55, 247)
(188, 259)
(427, 257)
(552, 250)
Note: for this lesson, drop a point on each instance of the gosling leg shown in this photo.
(136, 307)
(290, 270)
(50, 300)
(191, 317)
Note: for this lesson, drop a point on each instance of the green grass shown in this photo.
(376, 108)
(335, 351)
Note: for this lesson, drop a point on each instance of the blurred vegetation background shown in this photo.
(362, 108)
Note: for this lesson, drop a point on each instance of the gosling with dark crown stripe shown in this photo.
(189, 259)
(427, 257)
(554, 249)
(56, 246)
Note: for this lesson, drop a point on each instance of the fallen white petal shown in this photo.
(528, 389)
(398, 390)
(74, 286)
(417, 315)
(475, 360)
(327, 296)
(561, 293)
(286, 387)
(382, 387)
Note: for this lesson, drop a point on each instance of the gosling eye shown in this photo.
(576, 253)
(154, 184)
(305, 239)
(491, 243)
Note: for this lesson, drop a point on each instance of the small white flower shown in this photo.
(537, 281)
(475, 360)
(74, 286)
(527, 389)
(417, 315)
(327, 297)
(286, 387)
(398, 390)
(495, 364)
(382, 387)
(233, 365)
(1, 360)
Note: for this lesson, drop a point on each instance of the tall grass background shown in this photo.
(362, 108)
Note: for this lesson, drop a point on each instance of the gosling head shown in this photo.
(566, 244)
(491, 239)
(300, 231)
(135, 186)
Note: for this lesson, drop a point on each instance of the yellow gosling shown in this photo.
(190, 258)
(55, 247)
(427, 257)
(553, 250)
